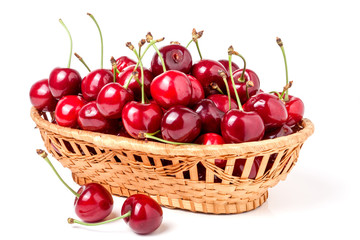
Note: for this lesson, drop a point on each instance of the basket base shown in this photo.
(240, 206)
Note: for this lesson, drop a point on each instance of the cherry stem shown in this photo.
(152, 136)
(101, 38)
(223, 75)
(129, 45)
(44, 155)
(247, 85)
(189, 43)
(281, 45)
(114, 67)
(160, 56)
(195, 36)
(71, 43)
(278, 94)
(242, 77)
(72, 221)
(216, 87)
(82, 61)
(232, 79)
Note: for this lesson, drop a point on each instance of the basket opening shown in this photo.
(138, 158)
(166, 162)
(151, 160)
(117, 159)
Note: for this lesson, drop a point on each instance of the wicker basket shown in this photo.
(169, 173)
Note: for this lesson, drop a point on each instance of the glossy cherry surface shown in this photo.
(249, 75)
(222, 102)
(212, 139)
(282, 131)
(210, 116)
(123, 62)
(111, 100)
(67, 110)
(225, 63)
(271, 109)
(180, 124)
(207, 72)
(94, 81)
(176, 57)
(134, 86)
(141, 118)
(41, 97)
(197, 91)
(295, 109)
(146, 214)
(240, 126)
(94, 203)
(171, 88)
(240, 165)
(64, 81)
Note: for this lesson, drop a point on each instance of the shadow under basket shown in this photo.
(181, 176)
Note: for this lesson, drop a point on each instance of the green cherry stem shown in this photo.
(230, 52)
(281, 45)
(149, 39)
(145, 136)
(242, 77)
(82, 61)
(189, 43)
(72, 221)
(223, 75)
(101, 38)
(44, 155)
(71, 42)
(129, 45)
(114, 67)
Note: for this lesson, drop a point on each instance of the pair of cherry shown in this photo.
(93, 203)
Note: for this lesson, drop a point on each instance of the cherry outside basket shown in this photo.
(170, 173)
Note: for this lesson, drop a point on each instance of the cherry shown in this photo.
(240, 164)
(225, 63)
(271, 109)
(212, 139)
(92, 203)
(171, 88)
(197, 91)
(207, 72)
(210, 116)
(242, 86)
(180, 124)
(142, 213)
(90, 119)
(111, 100)
(123, 62)
(64, 81)
(175, 56)
(41, 97)
(284, 130)
(67, 110)
(222, 102)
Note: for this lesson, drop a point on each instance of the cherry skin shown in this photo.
(141, 118)
(64, 81)
(90, 119)
(212, 139)
(94, 203)
(295, 109)
(225, 63)
(240, 126)
(94, 81)
(146, 214)
(123, 62)
(180, 124)
(176, 57)
(249, 75)
(41, 97)
(171, 88)
(222, 102)
(271, 109)
(210, 116)
(240, 164)
(197, 91)
(67, 110)
(125, 75)
(278, 132)
(111, 100)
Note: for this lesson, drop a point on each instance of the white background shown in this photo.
(319, 199)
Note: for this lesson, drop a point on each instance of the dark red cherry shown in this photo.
(278, 132)
(41, 97)
(239, 126)
(271, 109)
(295, 109)
(225, 63)
(123, 62)
(212, 139)
(180, 124)
(249, 75)
(222, 102)
(126, 74)
(171, 88)
(145, 213)
(90, 119)
(197, 91)
(141, 118)
(210, 116)
(67, 110)
(64, 81)
(176, 57)
(207, 72)
(111, 100)
(94, 82)
(240, 164)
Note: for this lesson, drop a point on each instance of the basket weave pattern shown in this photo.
(169, 173)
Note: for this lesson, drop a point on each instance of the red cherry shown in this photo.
(249, 75)
(67, 110)
(41, 97)
(222, 102)
(64, 81)
(111, 100)
(295, 109)
(94, 81)
(271, 109)
(278, 132)
(210, 116)
(176, 57)
(180, 124)
(197, 91)
(240, 164)
(225, 63)
(171, 88)
(212, 139)
(141, 118)
(123, 62)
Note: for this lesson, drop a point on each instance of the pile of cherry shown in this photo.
(174, 101)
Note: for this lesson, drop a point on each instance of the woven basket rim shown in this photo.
(124, 143)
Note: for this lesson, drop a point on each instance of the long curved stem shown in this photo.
(233, 82)
(159, 55)
(151, 135)
(242, 78)
(71, 220)
(82, 61)
(281, 45)
(71, 42)
(142, 76)
(223, 75)
(101, 38)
